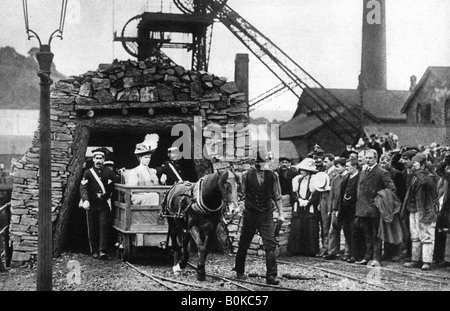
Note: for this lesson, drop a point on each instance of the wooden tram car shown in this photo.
(138, 225)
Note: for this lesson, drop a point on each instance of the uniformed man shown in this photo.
(94, 194)
(176, 169)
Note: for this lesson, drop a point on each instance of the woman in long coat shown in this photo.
(304, 234)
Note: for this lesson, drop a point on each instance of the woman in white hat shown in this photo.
(142, 175)
(304, 235)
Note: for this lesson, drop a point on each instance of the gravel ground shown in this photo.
(311, 275)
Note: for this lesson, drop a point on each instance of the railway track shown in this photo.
(182, 285)
(296, 274)
(382, 277)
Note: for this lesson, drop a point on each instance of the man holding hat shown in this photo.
(373, 179)
(94, 195)
(420, 201)
(261, 189)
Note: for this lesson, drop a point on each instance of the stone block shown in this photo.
(85, 90)
(104, 97)
(100, 84)
(149, 94)
(229, 88)
(165, 92)
(20, 256)
(196, 90)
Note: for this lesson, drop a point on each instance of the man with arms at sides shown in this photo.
(373, 179)
(324, 205)
(261, 190)
(335, 200)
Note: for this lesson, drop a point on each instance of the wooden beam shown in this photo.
(135, 105)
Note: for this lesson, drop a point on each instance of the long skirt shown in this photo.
(304, 235)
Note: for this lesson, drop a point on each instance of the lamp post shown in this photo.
(44, 58)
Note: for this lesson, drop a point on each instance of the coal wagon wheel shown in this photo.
(130, 35)
(128, 248)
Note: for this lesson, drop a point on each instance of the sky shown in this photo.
(322, 36)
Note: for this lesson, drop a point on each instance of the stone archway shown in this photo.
(141, 97)
(108, 128)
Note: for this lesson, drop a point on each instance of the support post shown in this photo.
(44, 257)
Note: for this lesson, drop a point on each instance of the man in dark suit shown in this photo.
(373, 179)
(285, 175)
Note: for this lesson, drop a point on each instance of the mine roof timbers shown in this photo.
(135, 105)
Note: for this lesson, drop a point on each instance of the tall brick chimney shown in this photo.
(373, 56)
(241, 73)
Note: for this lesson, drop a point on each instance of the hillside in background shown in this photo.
(19, 83)
(271, 115)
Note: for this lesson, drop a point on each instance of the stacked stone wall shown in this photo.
(118, 87)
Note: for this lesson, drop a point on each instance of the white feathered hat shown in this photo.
(149, 144)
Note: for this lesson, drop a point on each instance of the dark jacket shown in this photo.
(389, 205)
(399, 181)
(285, 177)
(424, 191)
(90, 189)
(369, 185)
(184, 168)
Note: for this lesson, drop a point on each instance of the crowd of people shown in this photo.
(391, 203)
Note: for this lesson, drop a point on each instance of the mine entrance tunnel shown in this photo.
(122, 137)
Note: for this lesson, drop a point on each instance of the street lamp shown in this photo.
(44, 58)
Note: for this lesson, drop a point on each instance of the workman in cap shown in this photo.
(408, 175)
(420, 202)
(94, 196)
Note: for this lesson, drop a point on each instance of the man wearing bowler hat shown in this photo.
(94, 195)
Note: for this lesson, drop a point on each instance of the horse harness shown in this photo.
(194, 201)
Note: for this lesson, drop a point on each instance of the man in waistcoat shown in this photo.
(94, 194)
(261, 189)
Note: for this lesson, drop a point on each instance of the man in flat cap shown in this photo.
(94, 195)
(408, 175)
(420, 201)
(285, 174)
